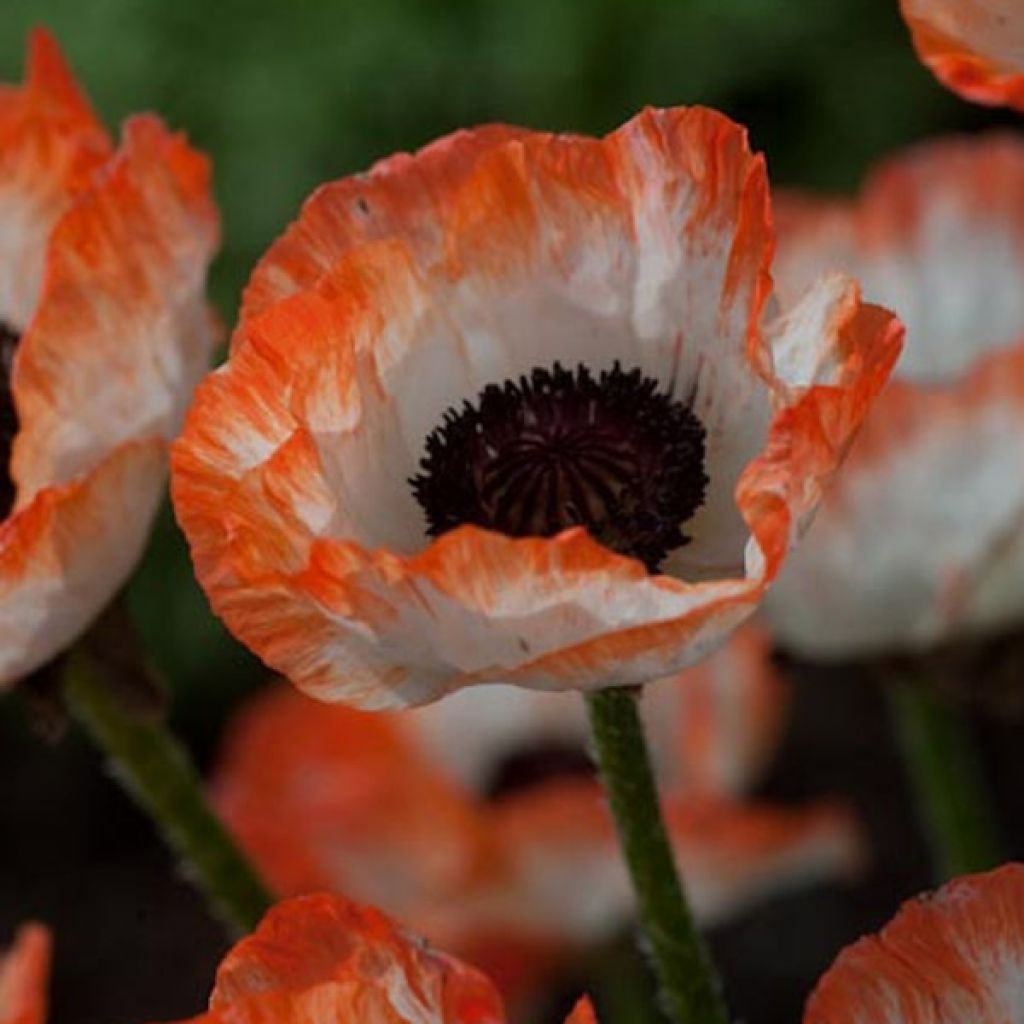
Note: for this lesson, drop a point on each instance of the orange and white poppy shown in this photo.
(104, 332)
(479, 823)
(324, 958)
(950, 956)
(520, 408)
(974, 47)
(24, 976)
(921, 537)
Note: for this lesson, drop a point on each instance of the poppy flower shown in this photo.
(920, 539)
(479, 823)
(974, 47)
(324, 958)
(518, 408)
(954, 955)
(24, 973)
(103, 333)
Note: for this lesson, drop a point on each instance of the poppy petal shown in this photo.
(321, 957)
(713, 728)
(388, 201)
(67, 553)
(939, 235)
(122, 333)
(358, 806)
(953, 955)
(24, 973)
(566, 877)
(974, 47)
(50, 143)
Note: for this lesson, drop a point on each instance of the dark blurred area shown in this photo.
(284, 96)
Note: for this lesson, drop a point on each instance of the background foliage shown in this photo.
(285, 95)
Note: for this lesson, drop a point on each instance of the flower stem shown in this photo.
(155, 769)
(690, 991)
(949, 785)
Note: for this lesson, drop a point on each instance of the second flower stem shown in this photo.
(948, 783)
(158, 773)
(689, 987)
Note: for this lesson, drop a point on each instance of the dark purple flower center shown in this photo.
(9, 339)
(556, 449)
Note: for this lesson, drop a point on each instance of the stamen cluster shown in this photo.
(559, 448)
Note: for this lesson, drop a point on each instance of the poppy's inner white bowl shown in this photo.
(441, 345)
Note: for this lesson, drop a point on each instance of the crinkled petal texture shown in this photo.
(103, 258)
(951, 957)
(24, 975)
(399, 295)
(921, 537)
(408, 810)
(323, 958)
(974, 47)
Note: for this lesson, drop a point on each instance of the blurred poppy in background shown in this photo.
(477, 821)
(921, 538)
(104, 331)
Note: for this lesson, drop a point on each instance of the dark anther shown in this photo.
(533, 766)
(557, 449)
(9, 339)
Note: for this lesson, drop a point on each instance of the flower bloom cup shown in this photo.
(491, 253)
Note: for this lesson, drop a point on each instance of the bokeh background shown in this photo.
(285, 95)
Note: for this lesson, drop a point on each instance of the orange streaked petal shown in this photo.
(393, 199)
(50, 143)
(713, 728)
(357, 806)
(321, 957)
(974, 47)
(103, 260)
(24, 975)
(953, 955)
(67, 553)
(122, 333)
